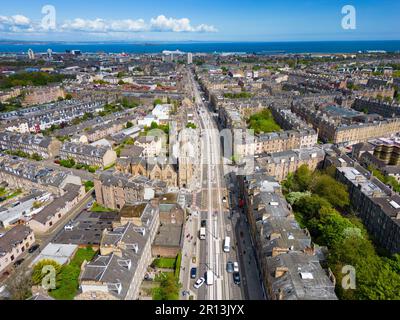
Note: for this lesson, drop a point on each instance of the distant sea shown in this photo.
(206, 47)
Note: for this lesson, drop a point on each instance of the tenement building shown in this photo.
(376, 204)
(88, 154)
(288, 260)
(115, 189)
(45, 147)
(125, 254)
(280, 164)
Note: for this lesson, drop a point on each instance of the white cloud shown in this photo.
(16, 23)
(19, 23)
(162, 23)
(158, 24)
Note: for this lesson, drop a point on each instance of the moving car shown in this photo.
(203, 223)
(229, 267)
(236, 267)
(236, 278)
(199, 283)
(193, 273)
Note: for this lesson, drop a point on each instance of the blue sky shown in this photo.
(216, 20)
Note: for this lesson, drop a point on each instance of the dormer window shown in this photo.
(125, 264)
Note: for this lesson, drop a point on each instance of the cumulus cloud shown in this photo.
(100, 25)
(16, 23)
(161, 23)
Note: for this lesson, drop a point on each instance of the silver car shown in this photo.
(199, 283)
(229, 267)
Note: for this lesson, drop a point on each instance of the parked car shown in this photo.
(33, 248)
(203, 223)
(235, 267)
(18, 262)
(193, 273)
(236, 278)
(229, 267)
(199, 283)
(69, 227)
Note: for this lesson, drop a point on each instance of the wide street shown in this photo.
(215, 212)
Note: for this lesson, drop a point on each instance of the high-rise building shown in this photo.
(190, 58)
(31, 54)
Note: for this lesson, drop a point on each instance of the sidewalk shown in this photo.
(189, 251)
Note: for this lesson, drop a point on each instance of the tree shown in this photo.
(330, 227)
(294, 197)
(37, 275)
(68, 96)
(129, 125)
(332, 190)
(309, 206)
(302, 178)
(169, 288)
(191, 125)
(21, 286)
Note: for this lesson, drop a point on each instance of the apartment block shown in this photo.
(280, 164)
(288, 260)
(125, 254)
(116, 189)
(88, 154)
(13, 244)
(45, 147)
(374, 202)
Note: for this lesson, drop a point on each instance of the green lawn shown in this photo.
(98, 208)
(67, 284)
(167, 263)
(263, 122)
(169, 281)
(88, 185)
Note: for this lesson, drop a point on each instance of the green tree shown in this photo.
(302, 178)
(332, 190)
(37, 275)
(169, 288)
(129, 125)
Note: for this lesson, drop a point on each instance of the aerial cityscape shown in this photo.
(163, 151)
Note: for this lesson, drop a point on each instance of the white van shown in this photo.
(227, 244)
(202, 233)
(210, 278)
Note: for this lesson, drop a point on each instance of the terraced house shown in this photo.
(24, 174)
(88, 154)
(45, 147)
(115, 189)
(13, 244)
(289, 262)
